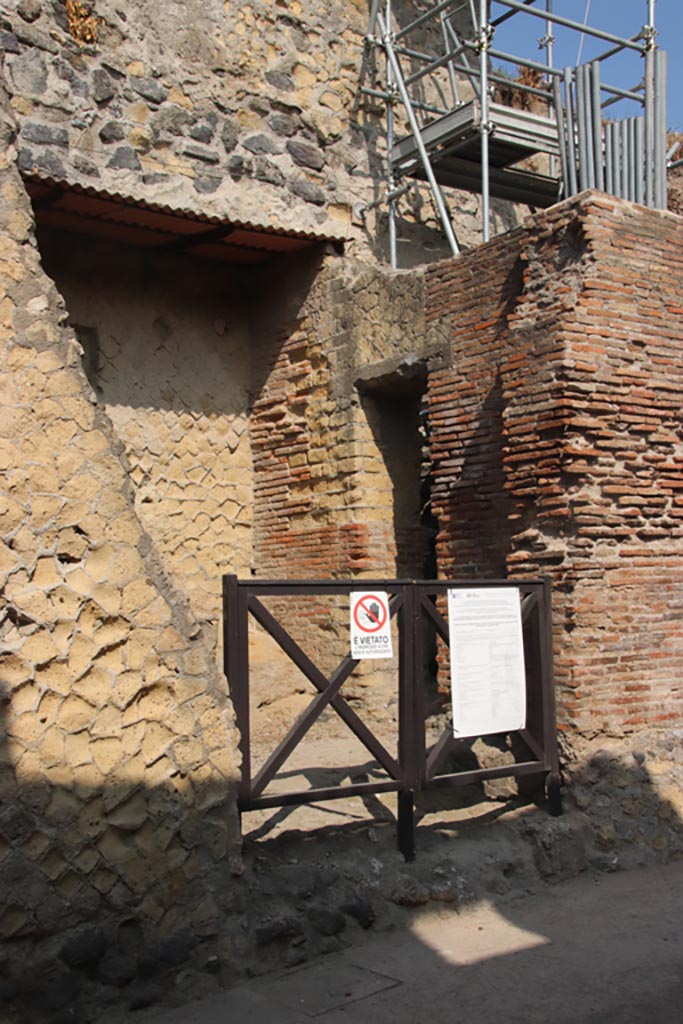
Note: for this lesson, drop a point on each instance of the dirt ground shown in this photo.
(594, 950)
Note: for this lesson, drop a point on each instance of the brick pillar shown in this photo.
(558, 444)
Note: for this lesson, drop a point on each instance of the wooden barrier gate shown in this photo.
(414, 606)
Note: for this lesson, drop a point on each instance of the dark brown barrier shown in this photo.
(414, 606)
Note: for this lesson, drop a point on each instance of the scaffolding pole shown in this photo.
(417, 135)
(393, 255)
(484, 43)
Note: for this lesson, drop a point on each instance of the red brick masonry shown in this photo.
(557, 443)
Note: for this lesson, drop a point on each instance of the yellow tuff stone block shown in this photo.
(81, 653)
(107, 723)
(113, 631)
(130, 815)
(39, 648)
(224, 761)
(78, 581)
(176, 95)
(107, 754)
(52, 747)
(115, 848)
(98, 562)
(24, 699)
(125, 687)
(15, 669)
(170, 640)
(65, 602)
(77, 749)
(35, 846)
(94, 685)
(108, 596)
(180, 720)
(159, 773)
(74, 714)
(87, 860)
(185, 688)
(46, 573)
(48, 707)
(12, 921)
(158, 613)
(138, 646)
(154, 706)
(26, 728)
(126, 566)
(124, 529)
(137, 595)
(131, 738)
(156, 742)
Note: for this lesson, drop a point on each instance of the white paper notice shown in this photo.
(488, 682)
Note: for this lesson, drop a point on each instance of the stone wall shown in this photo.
(248, 110)
(168, 346)
(117, 746)
(557, 443)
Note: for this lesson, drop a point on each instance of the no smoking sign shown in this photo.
(370, 625)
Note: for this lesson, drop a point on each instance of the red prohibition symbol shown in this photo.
(373, 612)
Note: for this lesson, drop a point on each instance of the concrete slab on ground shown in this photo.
(594, 950)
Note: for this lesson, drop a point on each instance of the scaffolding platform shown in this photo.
(453, 143)
(583, 130)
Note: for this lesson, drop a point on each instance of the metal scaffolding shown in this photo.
(440, 83)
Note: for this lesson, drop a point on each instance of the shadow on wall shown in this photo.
(478, 532)
(112, 885)
(162, 332)
(281, 307)
(395, 422)
(168, 354)
(468, 434)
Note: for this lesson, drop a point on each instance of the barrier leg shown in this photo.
(554, 792)
(406, 824)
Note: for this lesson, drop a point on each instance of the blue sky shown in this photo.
(520, 34)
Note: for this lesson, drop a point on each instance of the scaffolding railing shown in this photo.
(441, 71)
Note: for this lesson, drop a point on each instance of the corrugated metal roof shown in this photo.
(74, 207)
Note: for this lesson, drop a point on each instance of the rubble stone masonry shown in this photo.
(248, 109)
(557, 442)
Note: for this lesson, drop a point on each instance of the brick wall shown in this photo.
(334, 496)
(324, 494)
(557, 443)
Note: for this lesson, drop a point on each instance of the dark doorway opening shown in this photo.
(395, 406)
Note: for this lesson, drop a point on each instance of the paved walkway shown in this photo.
(604, 950)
